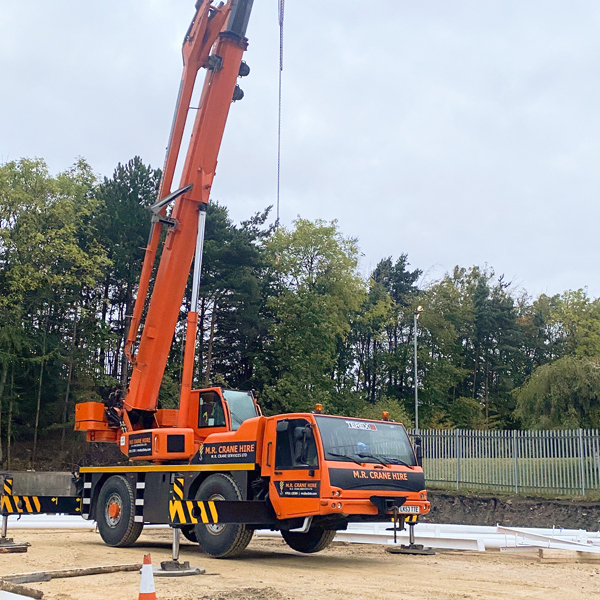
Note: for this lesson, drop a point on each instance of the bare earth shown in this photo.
(269, 570)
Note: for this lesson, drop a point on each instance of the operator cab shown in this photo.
(224, 410)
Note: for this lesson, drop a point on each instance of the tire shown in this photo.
(189, 533)
(227, 540)
(115, 513)
(315, 540)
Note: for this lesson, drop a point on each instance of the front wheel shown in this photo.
(115, 513)
(314, 540)
(221, 540)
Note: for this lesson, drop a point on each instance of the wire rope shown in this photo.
(281, 11)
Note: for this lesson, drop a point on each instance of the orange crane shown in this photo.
(216, 468)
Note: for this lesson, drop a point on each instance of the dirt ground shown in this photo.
(269, 570)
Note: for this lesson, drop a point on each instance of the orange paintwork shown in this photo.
(166, 417)
(113, 510)
(90, 411)
(101, 436)
(155, 444)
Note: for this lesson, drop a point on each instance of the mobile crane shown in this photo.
(216, 467)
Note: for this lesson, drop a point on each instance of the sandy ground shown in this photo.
(269, 570)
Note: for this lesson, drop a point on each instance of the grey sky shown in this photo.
(459, 132)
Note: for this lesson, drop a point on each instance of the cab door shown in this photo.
(292, 463)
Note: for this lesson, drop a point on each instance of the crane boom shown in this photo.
(223, 30)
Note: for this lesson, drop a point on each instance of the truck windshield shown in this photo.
(241, 407)
(365, 441)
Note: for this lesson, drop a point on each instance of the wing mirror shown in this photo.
(419, 450)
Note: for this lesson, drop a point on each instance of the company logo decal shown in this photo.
(140, 444)
(224, 453)
(361, 425)
(299, 489)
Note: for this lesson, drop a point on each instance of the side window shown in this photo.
(210, 411)
(295, 447)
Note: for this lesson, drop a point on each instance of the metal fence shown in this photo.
(548, 462)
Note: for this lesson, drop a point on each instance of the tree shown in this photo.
(50, 262)
(315, 295)
(122, 224)
(232, 298)
(561, 394)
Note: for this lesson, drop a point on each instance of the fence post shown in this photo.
(581, 469)
(457, 454)
(515, 461)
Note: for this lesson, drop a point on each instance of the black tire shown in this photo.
(314, 540)
(227, 540)
(189, 533)
(120, 529)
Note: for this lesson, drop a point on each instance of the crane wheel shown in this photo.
(314, 540)
(227, 539)
(115, 513)
(189, 533)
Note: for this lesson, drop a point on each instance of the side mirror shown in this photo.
(303, 435)
(282, 426)
(419, 451)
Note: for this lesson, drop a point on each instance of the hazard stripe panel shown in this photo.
(190, 512)
(35, 505)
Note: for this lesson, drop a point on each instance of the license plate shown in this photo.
(410, 510)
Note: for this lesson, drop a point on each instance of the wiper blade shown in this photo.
(345, 456)
(398, 461)
(379, 459)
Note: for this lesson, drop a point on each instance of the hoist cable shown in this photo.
(281, 9)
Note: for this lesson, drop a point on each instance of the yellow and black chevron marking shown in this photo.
(20, 505)
(178, 488)
(408, 518)
(190, 512)
(10, 504)
(35, 505)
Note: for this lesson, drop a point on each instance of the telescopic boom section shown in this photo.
(223, 30)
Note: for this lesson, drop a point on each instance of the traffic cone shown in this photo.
(147, 583)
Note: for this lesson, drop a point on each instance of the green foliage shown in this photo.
(233, 294)
(466, 413)
(393, 406)
(315, 295)
(561, 394)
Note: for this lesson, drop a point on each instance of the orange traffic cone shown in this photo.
(147, 582)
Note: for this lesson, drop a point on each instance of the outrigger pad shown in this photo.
(173, 568)
(410, 549)
(7, 546)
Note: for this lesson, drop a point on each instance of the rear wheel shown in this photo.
(221, 540)
(115, 513)
(314, 540)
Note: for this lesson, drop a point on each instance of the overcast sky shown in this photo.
(460, 132)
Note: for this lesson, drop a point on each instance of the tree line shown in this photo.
(283, 311)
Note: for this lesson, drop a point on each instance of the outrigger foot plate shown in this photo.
(8, 545)
(173, 568)
(410, 549)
